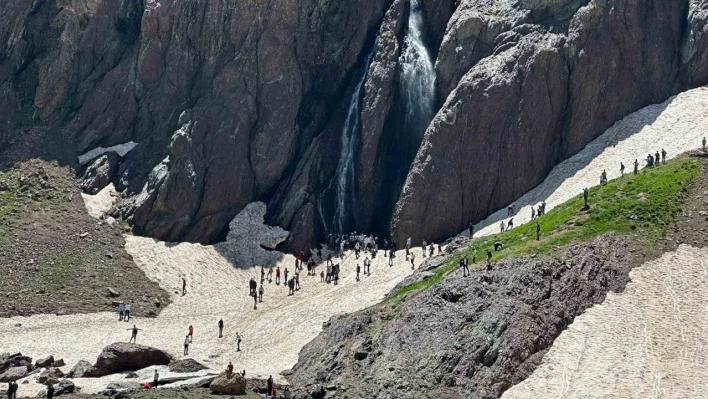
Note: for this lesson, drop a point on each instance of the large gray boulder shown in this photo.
(13, 360)
(50, 376)
(186, 366)
(121, 356)
(228, 384)
(80, 369)
(64, 387)
(46, 362)
(15, 373)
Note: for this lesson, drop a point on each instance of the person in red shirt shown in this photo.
(191, 332)
(230, 368)
(277, 275)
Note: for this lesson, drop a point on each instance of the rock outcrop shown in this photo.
(121, 356)
(228, 384)
(81, 369)
(186, 366)
(99, 173)
(466, 337)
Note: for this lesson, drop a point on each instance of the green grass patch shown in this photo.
(58, 270)
(643, 206)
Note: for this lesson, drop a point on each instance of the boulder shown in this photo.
(228, 384)
(59, 363)
(100, 173)
(15, 373)
(80, 369)
(46, 362)
(14, 360)
(113, 293)
(49, 375)
(131, 375)
(123, 356)
(186, 366)
(64, 387)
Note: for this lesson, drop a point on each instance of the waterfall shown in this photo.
(418, 75)
(343, 180)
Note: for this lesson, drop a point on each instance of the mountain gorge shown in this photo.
(402, 118)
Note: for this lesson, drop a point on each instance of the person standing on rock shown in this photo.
(636, 167)
(126, 317)
(184, 286)
(155, 379)
(221, 328)
(121, 311)
(186, 345)
(133, 334)
(190, 333)
(238, 342)
(408, 246)
(260, 293)
(277, 275)
(621, 169)
(230, 369)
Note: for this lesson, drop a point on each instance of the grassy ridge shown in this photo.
(643, 205)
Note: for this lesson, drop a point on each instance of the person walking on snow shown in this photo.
(270, 274)
(412, 261)
(277, 275)
(408, 246)
(502, 226)
(238, 342)
(184, 286)
(121, 310)
(704, 144)
(133, 334)
(126, 318)
(636, 167)
(260, 293)
(358, 269)
(621, 169)
(663, 155)
(255, 301)
(155, 379)
(186, 345)
(221, 327)
(470, 227)
(424, 244)
(510, 224)
(190, 333)
(285, 274)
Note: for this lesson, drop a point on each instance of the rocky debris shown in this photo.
(186, 366)
(64, 387)
(250, 242)
(49, 375)
(228, 384)
(113, 293)
(122, 356)
(15, 373)
(14, 360)
(99, 173)
(504, 321)
(59, 363)
(81, 369)
(46, 362)
(131, 375)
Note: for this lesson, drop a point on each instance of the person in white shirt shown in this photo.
(186, 345)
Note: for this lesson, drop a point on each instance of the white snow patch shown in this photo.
(120, 149)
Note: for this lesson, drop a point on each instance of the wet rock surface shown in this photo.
(477, 335)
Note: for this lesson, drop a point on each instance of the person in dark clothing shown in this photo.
(322, 276)
(50, 391)
(465, 266)
(221, 327)
(269, 385)
(358, 269)
(538, 232)
(291, 287)
(622, 169)
(184, 286)
(636, 167)
(663, 155)
(657, 158)
(391, 255)
(470, 226)
(133, 334)
(260, 293)
(489, 256)
(285, 274)
(255, 301)
(277, 275)
(431, 250)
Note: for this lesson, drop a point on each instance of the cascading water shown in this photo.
(418, 74)
(344, 178)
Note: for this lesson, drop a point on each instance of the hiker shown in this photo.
(297, 281)
(269, 385)
(603, 177)
(221, 327)
(121, 310)
(341, 250)
(186, 345)
(501, 226)
(358, 269)
(424, 244)
(270, 274)
(408, 246)
(622, 169)
(510, 224)
(543, 206)
(367, 263)
(636, 167)
(238, 342)
(432, 247)
(12, 390)
(650, 161)
(538, 232)
(663, 156)
(285, 274)
(230, 368)
(385, 247)
(704, 144)
(329, 260)
(412, 261)
(255, 301)
(322, 276)
(126, 317)
(190, 333)
(155, 379)
(474, 255)
(50, 391)
(184, 286)
(533, 213)
(657, 159)
(465, 266)
(277, 275)
(133, 334)
(262, 274)
(391, 255)
(260, 293)
(489, 256)
(470, 227)
(510, 210)
(498, 246)
(586, 192)
(291, 287)
(329, 274)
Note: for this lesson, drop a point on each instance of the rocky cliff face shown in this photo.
(232, 102)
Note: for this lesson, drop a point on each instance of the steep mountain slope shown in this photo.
(322, 108)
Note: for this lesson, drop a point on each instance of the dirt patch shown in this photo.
(58, 259)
